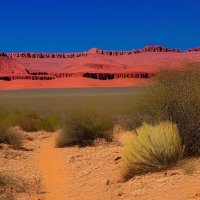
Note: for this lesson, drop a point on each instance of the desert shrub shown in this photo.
(136, 115)
(175, 95)
(5, 180)
(29, 122)
(49, 123)
(82, 128)
(10, 185)
(152, 148)
(9, 137)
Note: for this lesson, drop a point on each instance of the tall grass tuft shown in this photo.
(82, 128)
(152, 148)
(7, 136)
(29, 121)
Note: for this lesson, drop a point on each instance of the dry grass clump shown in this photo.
(29, 121)
(9, 185)
(152, 148)
(8, 136)
(175, 95)
(82, 128)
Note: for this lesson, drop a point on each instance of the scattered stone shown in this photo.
(165, 174)
(162, 179)
(118, 158)
(26, 149)
(108, 182)
(120, 194)
(174, 173)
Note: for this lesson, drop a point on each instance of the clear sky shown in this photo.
(78, 25)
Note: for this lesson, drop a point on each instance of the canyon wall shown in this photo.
(194, 49)
(10, 66)
(150, 48)
(45, 55)
(135, 51)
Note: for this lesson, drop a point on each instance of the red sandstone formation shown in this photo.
(11, 67)
(194, 49)
(150, 48)
(90, 68)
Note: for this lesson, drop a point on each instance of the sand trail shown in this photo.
(55, 179)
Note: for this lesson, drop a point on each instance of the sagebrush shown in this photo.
(175, 95)
(82, 128)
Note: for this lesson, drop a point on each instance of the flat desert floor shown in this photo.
(90, 173)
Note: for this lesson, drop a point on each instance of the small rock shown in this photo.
(173, 173)
(162, 179)
(118, 158)
(197, 195)
(120, 194)
(108, 182)
(165, 174)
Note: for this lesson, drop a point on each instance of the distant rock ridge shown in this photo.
(149, 48)
(11, 66)
(44, 55)
(194, 49)
(136, 51)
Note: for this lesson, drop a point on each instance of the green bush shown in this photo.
(29, 122)
(9, 137)
(82, 128)
(49, 123)
(175, 95)
(152, 148)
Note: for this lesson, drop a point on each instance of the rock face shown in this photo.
(158, 49)
(146, 49)
(110, 76)
(11, 67)
(93, 64)
(134, 51)
(45, 55)
(150, 48)
(194, 49)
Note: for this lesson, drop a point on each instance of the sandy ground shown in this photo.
(21, 166)
(57, 179)
(94, 173)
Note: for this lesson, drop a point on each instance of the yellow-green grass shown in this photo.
(174, 95)
(152, 148)
(8, 136)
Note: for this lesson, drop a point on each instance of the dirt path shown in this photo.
(55, 179)
(92, 173)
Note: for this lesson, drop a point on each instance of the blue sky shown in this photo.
(78, 25)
